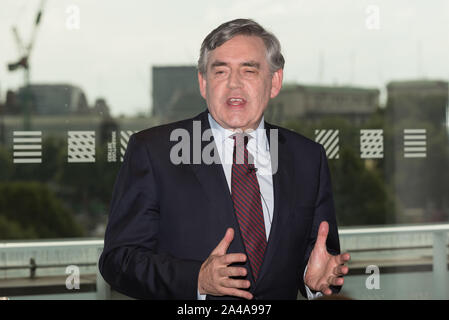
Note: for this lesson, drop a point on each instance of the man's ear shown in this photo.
(202, 83)
(276, 83)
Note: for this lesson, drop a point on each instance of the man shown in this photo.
(196, 229)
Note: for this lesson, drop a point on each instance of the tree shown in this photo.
(33, 211)
(362, 195)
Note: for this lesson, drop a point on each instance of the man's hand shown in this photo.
(324, 269)
(214, 277)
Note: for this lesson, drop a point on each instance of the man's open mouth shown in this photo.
(235, 102)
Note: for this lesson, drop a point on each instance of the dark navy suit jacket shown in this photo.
(165, 219)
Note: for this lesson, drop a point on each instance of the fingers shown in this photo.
(215, 276)
(235, 283)
(335, 278)
(237, 293)
(224, 243)
(322, 234)
(232, 272)
(325, 290)
(331, 281)
(341, 270)
(232, 287)
(335, 281)
(232, 258)
(343, 258)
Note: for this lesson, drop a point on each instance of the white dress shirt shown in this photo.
(259, 148)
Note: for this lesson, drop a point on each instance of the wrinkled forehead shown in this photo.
(241, 50)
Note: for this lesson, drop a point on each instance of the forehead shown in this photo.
(240, 49)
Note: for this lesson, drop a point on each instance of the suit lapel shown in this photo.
(214, 184)
(213, 180)
(282, 186)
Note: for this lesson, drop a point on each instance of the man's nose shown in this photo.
(234, 80)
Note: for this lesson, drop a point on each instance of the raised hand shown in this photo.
(215, 272)
(324, 269)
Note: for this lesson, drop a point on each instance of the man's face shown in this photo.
(238, 83)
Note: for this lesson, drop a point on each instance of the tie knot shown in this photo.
(240, 139)
(240, 151)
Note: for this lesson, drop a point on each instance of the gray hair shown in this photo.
(248, 27)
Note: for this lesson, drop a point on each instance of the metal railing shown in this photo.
(364, 244)
(433, 236)
(45, 259)
(32, 266)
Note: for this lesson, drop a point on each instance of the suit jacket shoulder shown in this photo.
(293, 138)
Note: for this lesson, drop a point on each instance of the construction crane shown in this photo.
(24, 62)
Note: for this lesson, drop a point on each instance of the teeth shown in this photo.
(236, 100)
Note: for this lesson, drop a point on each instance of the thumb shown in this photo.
(322, 235)
(224, 243)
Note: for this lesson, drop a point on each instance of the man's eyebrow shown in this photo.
(253, 64)
(218, 64)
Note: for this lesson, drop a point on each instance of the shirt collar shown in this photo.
(220, 133)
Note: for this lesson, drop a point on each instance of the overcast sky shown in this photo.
(328, 42)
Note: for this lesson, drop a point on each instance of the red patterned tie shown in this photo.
(247, 204)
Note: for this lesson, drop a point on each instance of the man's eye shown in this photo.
(250, 71)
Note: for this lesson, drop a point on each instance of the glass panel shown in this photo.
(368, 81)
